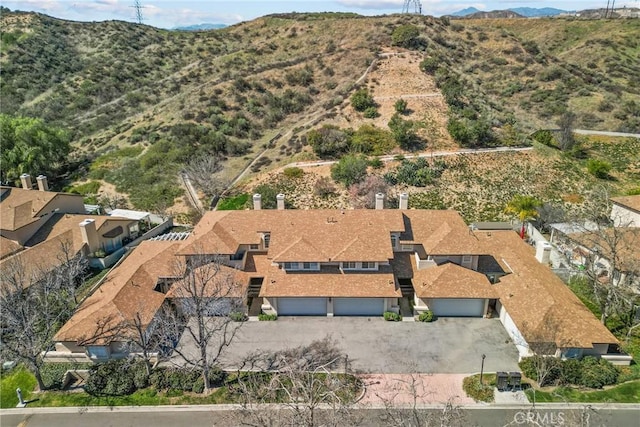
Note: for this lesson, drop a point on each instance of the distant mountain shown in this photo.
(494, 14)
(465, 12)
(200, 27)
(532, 12)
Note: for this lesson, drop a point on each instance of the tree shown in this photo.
(202, 172)
(565, 123)
(328, 141)
(314, 383)
(33, 306)
(362, 195)
(361, 100)
(524, 207)
(203, 300)
(30, 146)
(349, 170)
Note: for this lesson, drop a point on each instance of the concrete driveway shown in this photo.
(448, 345)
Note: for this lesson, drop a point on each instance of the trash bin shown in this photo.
(515, 380)
(502, 381)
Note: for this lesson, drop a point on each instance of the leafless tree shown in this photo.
(113, 201)
(203, 300)
(612, 265)
(34, 304)
(203, 170)
(362, 195)
(312, 383)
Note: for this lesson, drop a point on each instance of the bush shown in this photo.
(571, 372)
(427, 316)
(599, 168)
(350, 170)
(479, 392)
(371, 113)
(390, 316)
(400, 106)
(324, 187)
(293, 172)
(361, 100)
(597, 373)
(111, 378)
(237, 316)
(267, 317)
(546, 370)
(405, 36)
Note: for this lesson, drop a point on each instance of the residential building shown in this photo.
(362, 263)
(625, 211)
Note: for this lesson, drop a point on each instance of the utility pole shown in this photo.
(138, 7)
(417, 6)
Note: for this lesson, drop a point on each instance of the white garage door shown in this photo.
(302, 306)
(358, 306)
(457, 307)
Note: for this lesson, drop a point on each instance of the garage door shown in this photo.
(302, 306)
(358, 306)
(457, 307)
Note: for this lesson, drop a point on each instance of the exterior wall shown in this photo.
(624, 217)
(512, 330)
(597, 350)
(69, 347)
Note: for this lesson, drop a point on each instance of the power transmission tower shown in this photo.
(138, 7)
(417, 6)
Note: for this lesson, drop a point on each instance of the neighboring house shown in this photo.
(362, 262)
(625, 211)
(41, 229)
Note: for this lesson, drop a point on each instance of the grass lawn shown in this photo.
(233, 203)
(623, 393)
(18, 377)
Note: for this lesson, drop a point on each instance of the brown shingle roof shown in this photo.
(440, 233)
(631, 202)
(543, 308)
(127, 291)
(46, 249)
(8, 247)
(451, 281)
(330, 282)
(211, 281)
(19, 207)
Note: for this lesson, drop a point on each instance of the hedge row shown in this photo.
(587, 372)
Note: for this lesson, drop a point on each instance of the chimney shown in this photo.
(379, 201)
(280, 200)
(43, 185)
(89, 234)
(257, 202)
(25, 178)
(404, 201)
(543, 252)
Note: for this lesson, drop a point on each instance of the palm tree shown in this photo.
(524, 207)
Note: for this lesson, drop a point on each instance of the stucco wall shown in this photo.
(623, 217)
(513, 331)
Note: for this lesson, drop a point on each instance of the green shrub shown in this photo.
(371, 112)
(546, 370)
(405, 36)
(111, 378)
(479, 392)
(267, 317)
(571, 372)
(400, 106)
(237, 316)
(597, 373)
(349, 170)
(426, 316)
(361, 100)
(390, 316)
(293, 172)
(376, 163)
(599, 168)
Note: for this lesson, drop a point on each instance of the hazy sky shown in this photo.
(172, 13)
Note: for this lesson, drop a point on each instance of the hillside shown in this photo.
(141, 102)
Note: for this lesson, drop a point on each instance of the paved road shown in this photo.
(426, 154)
(604, 133)
(448, 345)
(225, 415)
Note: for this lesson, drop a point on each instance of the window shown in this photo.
(291, 266)
(366, 265)
(407, 247)
(394, 241)
(254, 247)
(349, 265)
(466, 259)
(267, 239)
(310, 266)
